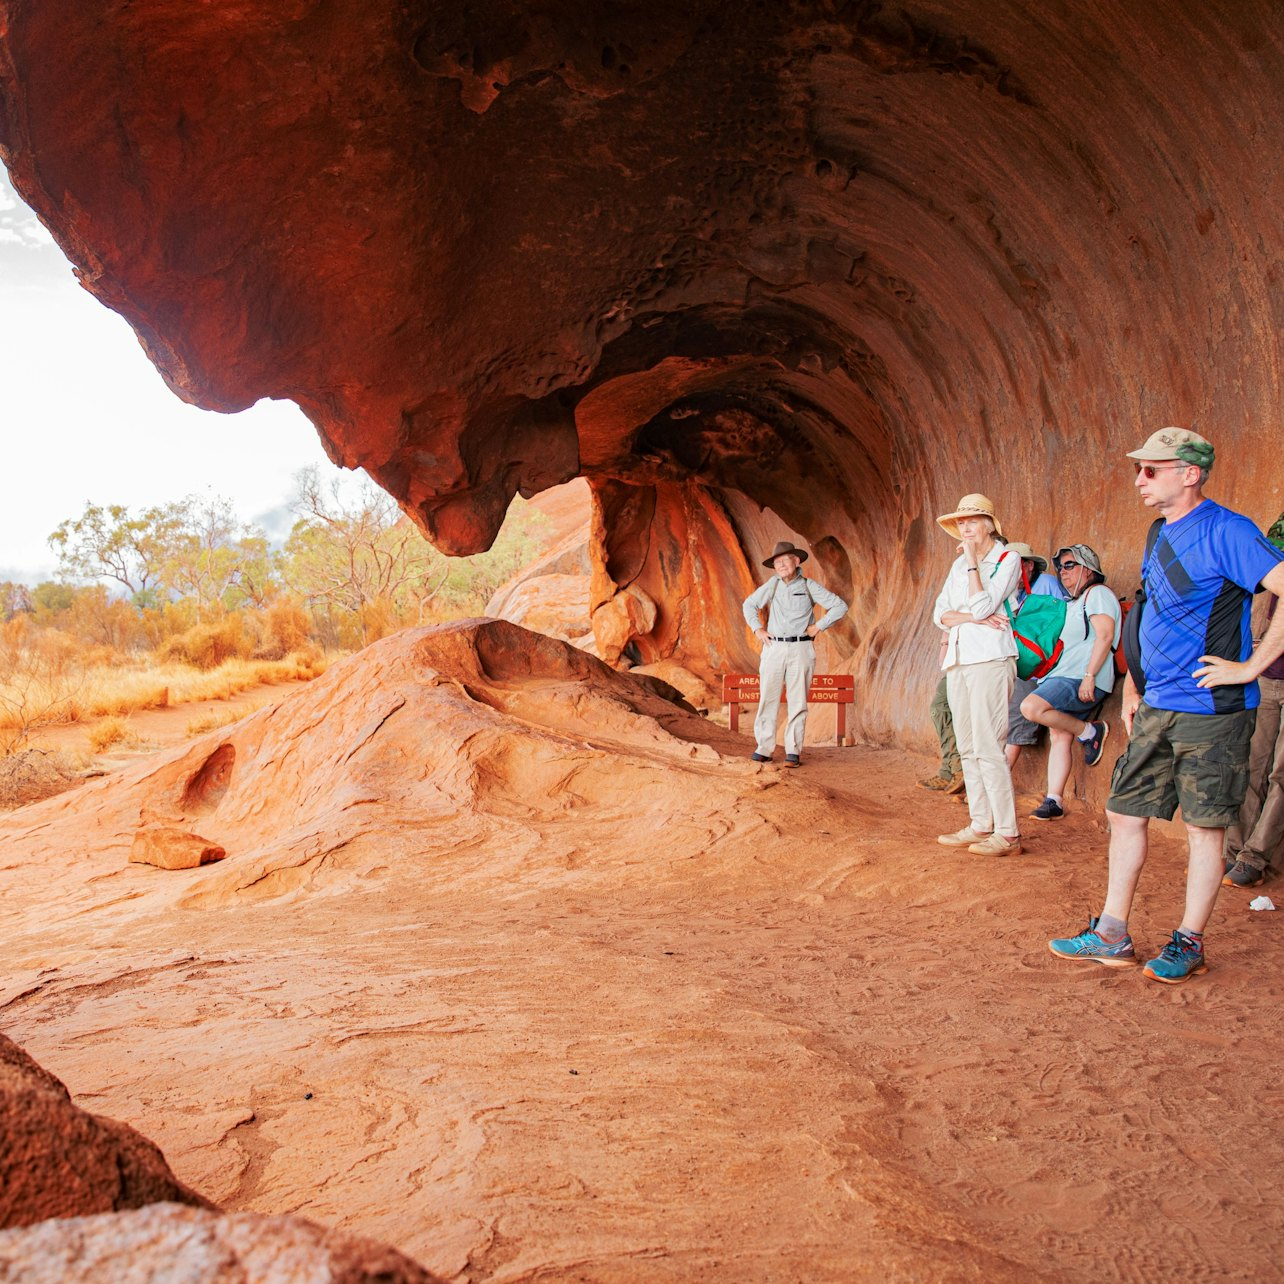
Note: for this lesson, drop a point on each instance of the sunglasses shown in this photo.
(1067, 565)
(1151, 469)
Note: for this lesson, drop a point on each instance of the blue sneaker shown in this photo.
(1092, 749)
(1178, 961)
(1048, 809)
(1088, 947)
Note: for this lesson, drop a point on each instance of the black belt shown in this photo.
(804, 638)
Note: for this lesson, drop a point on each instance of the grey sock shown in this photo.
(1111, 929)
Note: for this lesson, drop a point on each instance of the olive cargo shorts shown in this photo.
(1197, 760)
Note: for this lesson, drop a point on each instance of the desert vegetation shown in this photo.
(183, 602)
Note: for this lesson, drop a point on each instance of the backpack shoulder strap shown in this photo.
(1152, 538)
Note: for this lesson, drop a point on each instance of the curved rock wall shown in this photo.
(811, 268)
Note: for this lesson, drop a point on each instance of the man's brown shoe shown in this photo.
(936, 782)
(956, 785)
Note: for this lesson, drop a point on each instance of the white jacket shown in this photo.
(1000, 572)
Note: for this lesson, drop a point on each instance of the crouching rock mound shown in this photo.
(477, 733)
(56, 1160)
(170, 1242)
(87, 1198)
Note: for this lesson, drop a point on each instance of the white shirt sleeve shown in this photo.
(996, 588)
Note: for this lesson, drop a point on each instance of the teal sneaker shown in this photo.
(1088, 947)
(1178, 961)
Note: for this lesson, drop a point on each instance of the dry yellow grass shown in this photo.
(221, 718)
(117, 690)
(111, 731)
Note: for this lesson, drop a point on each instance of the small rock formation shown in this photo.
(58, 1161)
(807, 270)
(87, 1198)
(169, 847)
(482, 708)
(552, 604)
(168, 1242)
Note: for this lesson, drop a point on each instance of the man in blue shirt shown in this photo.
(1189, 734)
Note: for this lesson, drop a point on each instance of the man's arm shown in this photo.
(752, 609)
(1217, 672)
(835, 608)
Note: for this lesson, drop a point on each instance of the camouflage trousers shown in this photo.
(1198, 761)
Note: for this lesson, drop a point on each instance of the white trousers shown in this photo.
(979, 695)
(785, 666)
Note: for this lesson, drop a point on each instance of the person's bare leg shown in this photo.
(1011, 753)
(1059, 743)
(1129, 843)
(1203, 876)
(1037, 709)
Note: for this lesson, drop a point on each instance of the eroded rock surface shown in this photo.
(810, 269)
(516, 964)
(168, 1242)
(57, 1160)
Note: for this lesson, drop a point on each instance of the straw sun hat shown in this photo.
(969, 506)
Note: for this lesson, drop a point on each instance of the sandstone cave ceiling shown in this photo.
(809, 266)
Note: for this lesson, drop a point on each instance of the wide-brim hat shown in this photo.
(1027, 554)
(1168, 443)
(969, 506)
(785, 547)
(1085, 556)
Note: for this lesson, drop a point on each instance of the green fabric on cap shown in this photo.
(1276, 533)
(1199, 453)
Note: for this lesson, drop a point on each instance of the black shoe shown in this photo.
(792, 760)
(1092, 748)
(1242, 874)
(759, 757)
(1048, 809)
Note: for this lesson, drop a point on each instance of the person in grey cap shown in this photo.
(1189, 731)
(788, 656)
(1082, 678)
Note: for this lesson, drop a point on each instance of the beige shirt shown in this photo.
(1000, 572)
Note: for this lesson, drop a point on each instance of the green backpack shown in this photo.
(1037, 626)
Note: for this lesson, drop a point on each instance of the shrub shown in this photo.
(111, 731)
(32, 774)
(206, 646)
(40, 675)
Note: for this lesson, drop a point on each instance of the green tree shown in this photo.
(351, 553)
(193, 548)
(51, 597)
(218, 561)
(107, 543)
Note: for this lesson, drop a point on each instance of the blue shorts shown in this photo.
(1063, 695)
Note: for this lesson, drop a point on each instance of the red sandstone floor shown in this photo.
(603, 1051)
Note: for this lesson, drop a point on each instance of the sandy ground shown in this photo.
(779, 1034)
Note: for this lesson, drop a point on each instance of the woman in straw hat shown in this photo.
(980, 670)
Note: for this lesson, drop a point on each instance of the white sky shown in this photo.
(84, 415)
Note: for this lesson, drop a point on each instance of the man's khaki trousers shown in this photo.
(786, 666)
